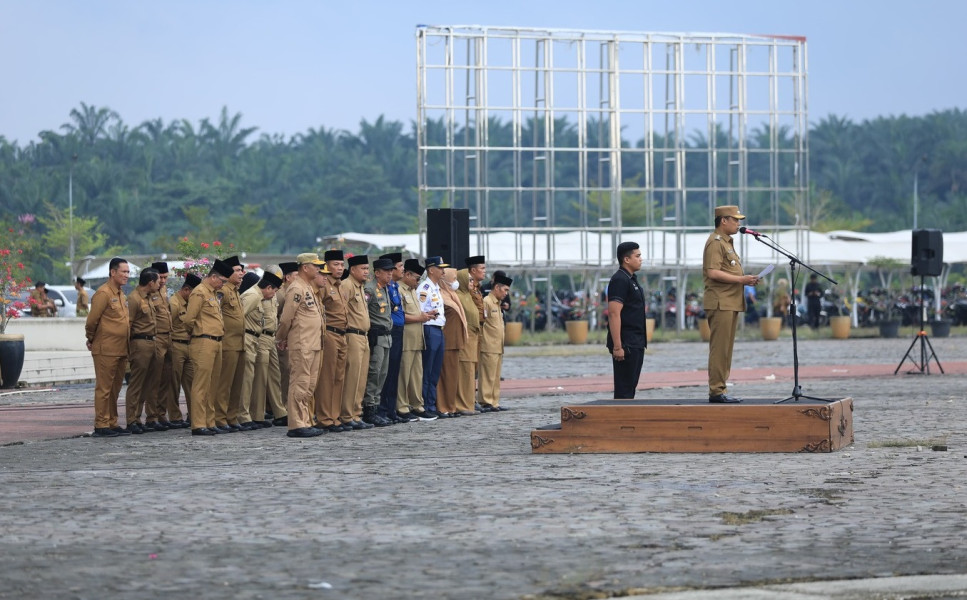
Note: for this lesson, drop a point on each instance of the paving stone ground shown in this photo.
(461, 508)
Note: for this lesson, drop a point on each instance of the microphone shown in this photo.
(745, 229)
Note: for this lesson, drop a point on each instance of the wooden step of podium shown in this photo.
(756, 425)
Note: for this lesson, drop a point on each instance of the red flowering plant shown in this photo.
(13, 273)
(198, 257)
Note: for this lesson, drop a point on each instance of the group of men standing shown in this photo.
(337, 350)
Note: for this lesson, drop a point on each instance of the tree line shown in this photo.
(139, 189)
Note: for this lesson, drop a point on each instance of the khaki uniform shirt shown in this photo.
(357, 313)
(162, 313)
(40, 304)
(301, 322)
(720, 254)
(203, 315)
(177, 307)
(83, 303)
(233, 318)
(492, 327)
(141, 312)
(107, 326)
(412, 332)
(254, 311)
(270, 313)
(333, 302)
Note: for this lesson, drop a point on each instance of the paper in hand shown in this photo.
(766, 271)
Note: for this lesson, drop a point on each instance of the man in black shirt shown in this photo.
(626, 321)
(814, 300)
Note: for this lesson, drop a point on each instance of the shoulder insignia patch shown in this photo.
(718, 237)
(423, 295)
(297, 298)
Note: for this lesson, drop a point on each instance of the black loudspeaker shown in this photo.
(448, 234)
(927, 252)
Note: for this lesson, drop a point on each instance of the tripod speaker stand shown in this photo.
(923, 366)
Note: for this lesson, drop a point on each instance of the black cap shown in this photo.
(474, 260)
(248, 281)
(394, 256)
(384, 264)
(413, 266)
(333, 255)
(502, 279)
(233, 262)
(359, 259)
(270, 279)
(192, 280)
(288, 267)
(161, 267)
(222, 268)
(435, 261)
(81, 281)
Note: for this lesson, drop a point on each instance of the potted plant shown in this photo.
(13, 281)
(890, 324)
(576, 323)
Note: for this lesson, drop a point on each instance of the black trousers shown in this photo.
(627, 372)
(387, 398)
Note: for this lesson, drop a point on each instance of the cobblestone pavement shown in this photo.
(460, 508)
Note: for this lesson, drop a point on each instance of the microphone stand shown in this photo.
(793, 262)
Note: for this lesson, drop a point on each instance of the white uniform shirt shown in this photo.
(428, 294)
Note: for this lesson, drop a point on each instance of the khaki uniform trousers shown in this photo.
(158, 388)
(144, 367)
(446, 394)
(206, 361)
(282, 358)
(303, 373)
(357, 367)
(273, 375)
(410, 383)
(109, 377)
(488, 387)
(721, 324)
(227, 404)
(329, 401)
(466, 385)
(246, 375)
(181, 378)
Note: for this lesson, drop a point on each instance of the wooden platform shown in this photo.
(756, 425)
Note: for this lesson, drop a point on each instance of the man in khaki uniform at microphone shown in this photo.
(357, 342)
(300, 334)
(724, 300)
(181, 371)
(107, 330)
(329, 397)
(144, 363)
(229, 380)
(203, 319)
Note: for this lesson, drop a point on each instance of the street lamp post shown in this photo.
(70, 213)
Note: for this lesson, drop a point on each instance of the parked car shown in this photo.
(64, 297)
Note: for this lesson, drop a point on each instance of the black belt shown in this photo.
(180, 341)
(356, 331)
(252, 332)
(379, 331)
(335, 330)
(142, 336)
(267, 332)
(214, 338)
(432, 325)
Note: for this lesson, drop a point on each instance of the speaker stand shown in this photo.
(923, 366)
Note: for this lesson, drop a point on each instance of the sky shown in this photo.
(291, 65)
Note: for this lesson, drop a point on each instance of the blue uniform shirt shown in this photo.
(393, 290)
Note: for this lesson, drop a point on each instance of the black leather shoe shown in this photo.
(485, 408)
(120, 431)
(234, 427)
(104, 432)
(304, 432)
(281, 421)
(406, 417)
(724, 399)
(247, 426)
(178, 425)
(263, 424)
(499, 408)
(423, 415)
(203, 431)
(222, 429)
(135, 428)
(154, 426)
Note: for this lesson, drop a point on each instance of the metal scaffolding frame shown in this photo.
(542, 132)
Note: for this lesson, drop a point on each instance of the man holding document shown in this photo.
(724, 299)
